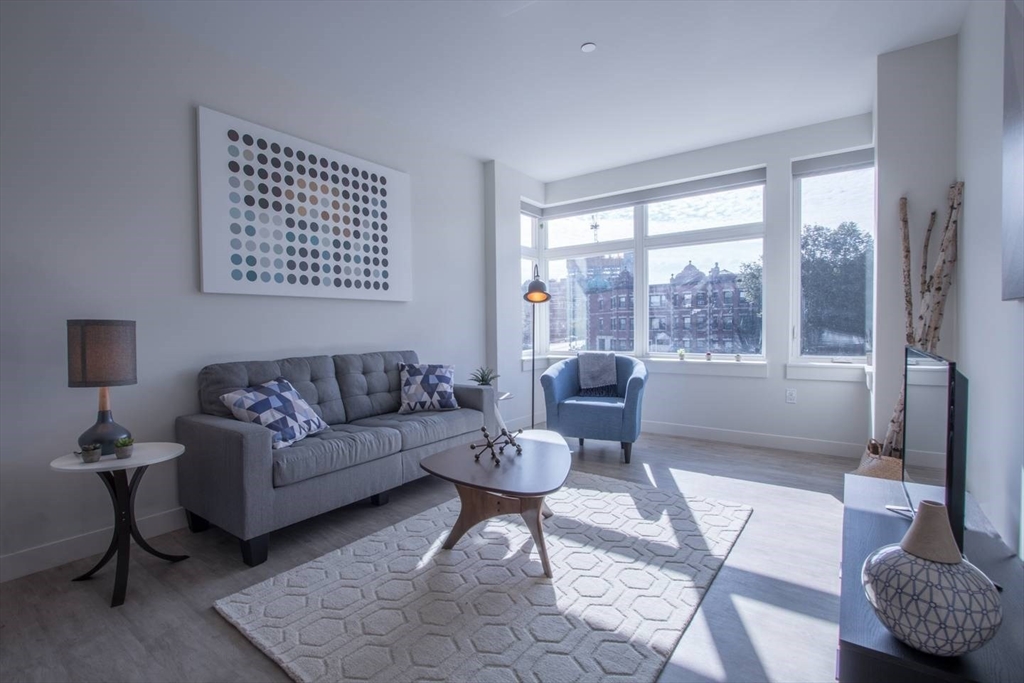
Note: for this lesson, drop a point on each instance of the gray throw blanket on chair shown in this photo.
(597, 373)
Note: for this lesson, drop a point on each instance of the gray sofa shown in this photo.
(231, 477)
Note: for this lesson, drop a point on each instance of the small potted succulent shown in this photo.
(124, 446)
(90, 452)
(682, 354)
(484, 376)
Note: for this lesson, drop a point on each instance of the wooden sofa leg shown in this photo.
(380, 498)
(581, 442)
(254, 550)
(627, 449)
(195, 522)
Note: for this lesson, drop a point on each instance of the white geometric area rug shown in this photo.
(631, 564)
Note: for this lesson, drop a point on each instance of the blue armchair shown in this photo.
(614, 418)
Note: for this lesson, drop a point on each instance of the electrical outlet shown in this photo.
(790, 395)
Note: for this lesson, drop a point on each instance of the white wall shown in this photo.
(915, 153)
(830, 416)
(99, 206)
(991, 331)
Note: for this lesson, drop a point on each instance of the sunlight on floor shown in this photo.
(754, 614)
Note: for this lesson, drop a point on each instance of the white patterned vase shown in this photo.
(926, 594)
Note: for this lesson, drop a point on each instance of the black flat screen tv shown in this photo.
(935, 432)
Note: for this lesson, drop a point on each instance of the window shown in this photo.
(677, 268)
(699, 272)
(526, 223)
(575, 284)
(837, 226)
(710, 210)
(606, 226)
(526, 276)
(528, 258)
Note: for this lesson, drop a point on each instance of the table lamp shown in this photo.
(101, 353)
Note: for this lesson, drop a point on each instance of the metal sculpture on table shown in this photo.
(497, 445)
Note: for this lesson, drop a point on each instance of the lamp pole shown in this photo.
(536, 293)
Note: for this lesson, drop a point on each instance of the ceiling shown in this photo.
(506, 80)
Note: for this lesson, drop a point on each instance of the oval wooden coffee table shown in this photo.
(516, 486)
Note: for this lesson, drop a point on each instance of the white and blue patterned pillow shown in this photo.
(277, 406)
(427, 387)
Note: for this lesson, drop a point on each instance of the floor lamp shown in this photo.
(537, 293)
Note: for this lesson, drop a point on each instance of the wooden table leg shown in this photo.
(478, 506)
(532, 509)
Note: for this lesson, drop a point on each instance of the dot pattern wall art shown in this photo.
(282, 216)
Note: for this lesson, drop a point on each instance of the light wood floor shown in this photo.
(771, 614)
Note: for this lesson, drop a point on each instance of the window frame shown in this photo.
(534, 255)
(641, 245)
(811, 168)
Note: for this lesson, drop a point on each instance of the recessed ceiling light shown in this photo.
(588, 47)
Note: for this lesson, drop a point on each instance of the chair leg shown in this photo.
(254, 550)
(195, 522)
(627, 449)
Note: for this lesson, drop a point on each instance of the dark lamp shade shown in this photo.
(537, 292)
(101, 353)
(537, 296)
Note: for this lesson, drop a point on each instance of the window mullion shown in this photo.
(640, 303)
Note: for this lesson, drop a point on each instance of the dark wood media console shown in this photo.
(867, 651)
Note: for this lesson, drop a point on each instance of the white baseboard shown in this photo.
(48, 555)
(791, 443)
(780, 441)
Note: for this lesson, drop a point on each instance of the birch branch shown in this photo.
(924, 253)
(908, 300)
(943, 275)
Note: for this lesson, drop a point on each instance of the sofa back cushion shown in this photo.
(370, 383)
(339, 388)
(313, 377)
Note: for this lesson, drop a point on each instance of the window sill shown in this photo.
(727, 368)
(543, 363)
(828, 372)
(674, 366)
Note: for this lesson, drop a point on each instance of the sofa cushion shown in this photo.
(277, 406)
(313, 377)
(338, 448)
(418, 429)
(427, 387)
(369, 382)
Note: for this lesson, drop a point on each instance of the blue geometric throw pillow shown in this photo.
(427, 387)
(277, 406)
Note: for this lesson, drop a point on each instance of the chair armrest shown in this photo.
(559, 382)
(226, 473)
(478, 398)
(634, 402)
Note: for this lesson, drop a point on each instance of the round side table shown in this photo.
(113, 472)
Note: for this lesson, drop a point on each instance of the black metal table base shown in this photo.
(122, 495)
